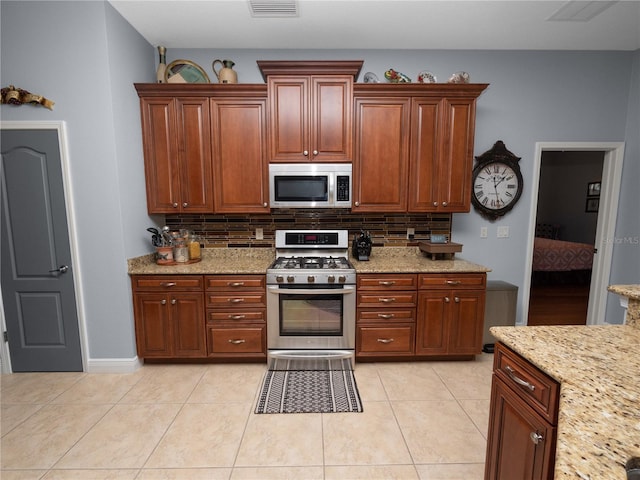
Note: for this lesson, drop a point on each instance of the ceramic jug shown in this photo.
(226, 74)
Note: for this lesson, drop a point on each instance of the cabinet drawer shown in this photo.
(164, 283)
(384, 300)
(242, 300)
(528, 382)
(445, 280)
(387, 282)
(236, 340)
(232, 316)
(396, 340)
(234, 282)
(387, 316)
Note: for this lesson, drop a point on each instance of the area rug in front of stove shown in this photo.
(309, 391)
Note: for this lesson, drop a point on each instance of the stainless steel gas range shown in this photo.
(311, 297)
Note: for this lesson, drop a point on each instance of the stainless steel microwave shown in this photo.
(310, 185)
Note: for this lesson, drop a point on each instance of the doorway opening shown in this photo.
(564, 290)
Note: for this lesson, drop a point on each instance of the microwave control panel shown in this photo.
(342, 188)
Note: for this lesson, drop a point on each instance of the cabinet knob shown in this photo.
(536, 437)
(173, 301)
(185, 204)
(315, 152)
(163, 302)
(357, 204)
(447, 299)
(444, 204)
(265, 204)
(175, 205)
(306, 153)
(435, 204)
(456, 299)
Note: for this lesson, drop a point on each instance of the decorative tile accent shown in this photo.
(238, 231)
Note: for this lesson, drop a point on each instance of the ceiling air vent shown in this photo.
(273, 8)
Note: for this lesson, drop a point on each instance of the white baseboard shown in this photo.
(113, 365)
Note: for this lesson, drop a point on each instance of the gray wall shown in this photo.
(85, 57)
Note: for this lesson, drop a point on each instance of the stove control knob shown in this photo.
(291, 279)
(311, 279)
(331, 279)
(279, 278)
(342, 279)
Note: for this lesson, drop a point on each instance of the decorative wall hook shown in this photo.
(17, 96)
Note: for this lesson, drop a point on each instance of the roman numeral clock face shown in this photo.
(497, 186)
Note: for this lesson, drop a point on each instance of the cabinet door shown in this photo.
(467, 322)
(456, 161)
(194, 155)
(288, 118)
(330, 122)
(424, 174)
(160, 154)
(153, 327)
(380, 166)
(239, 145)
(520, 443)
(433, 323)
(187, 317)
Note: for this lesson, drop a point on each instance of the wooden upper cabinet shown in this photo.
(310, 118)
(380, 165)
(310, 110)
(239, 155)
(439, 158)
(441, 154)
(177, 153)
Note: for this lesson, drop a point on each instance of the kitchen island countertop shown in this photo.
(257, 260)
(599, 414)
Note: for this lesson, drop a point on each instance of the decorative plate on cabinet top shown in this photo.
(371, 77)
(185, 71)
(427, 77)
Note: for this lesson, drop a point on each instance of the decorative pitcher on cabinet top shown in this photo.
(226, 74)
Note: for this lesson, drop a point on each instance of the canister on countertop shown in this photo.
(194, 247)
(180, 250)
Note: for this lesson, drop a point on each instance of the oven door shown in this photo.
(310, 318)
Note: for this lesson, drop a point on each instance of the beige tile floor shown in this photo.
(423, 420)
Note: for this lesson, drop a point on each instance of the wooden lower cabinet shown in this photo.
(169, 316)
(522, 421)
(236, 316)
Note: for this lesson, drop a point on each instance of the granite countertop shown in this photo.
(412, 260)
(214, 261)
(257, 260)
(599, 415)
(630, 291)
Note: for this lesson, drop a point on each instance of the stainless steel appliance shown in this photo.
(310, 185)
(311, 297)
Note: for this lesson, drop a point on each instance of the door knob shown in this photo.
(60, 269)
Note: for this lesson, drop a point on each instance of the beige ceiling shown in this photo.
(387, 24)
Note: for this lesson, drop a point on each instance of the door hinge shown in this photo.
(5, 336)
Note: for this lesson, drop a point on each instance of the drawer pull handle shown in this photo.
(536, 437)
(236, 284)
(386, 340)
(387, 283)
(168, 284)
(387, 300)
(237, 317)
(236, 300)
(238, 341)
(386, 315)
(453, 282)
(518, 380)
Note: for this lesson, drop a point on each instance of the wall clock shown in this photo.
(497, 182)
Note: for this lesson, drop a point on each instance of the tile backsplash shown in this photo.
(239, 230)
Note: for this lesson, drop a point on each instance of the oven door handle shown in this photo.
(347, 289)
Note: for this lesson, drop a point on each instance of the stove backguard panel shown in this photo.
(235, 230)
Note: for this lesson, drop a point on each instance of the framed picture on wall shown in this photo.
(593, 189)
(592, 204)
